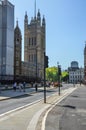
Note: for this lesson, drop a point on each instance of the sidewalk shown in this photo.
(7, 94)
(30, 118)
(69, 114)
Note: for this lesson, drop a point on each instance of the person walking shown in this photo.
(24, 84)
(36, 86)
(14, 86)
(20, 87)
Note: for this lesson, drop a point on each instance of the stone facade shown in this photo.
(34, 48)
(17, 50)
(34, 43)
(76, 75)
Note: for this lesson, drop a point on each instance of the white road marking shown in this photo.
(5, 116)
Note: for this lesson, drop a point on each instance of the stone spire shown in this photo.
(43, 21)
(26, 21)
(17, 23)
(35, 10)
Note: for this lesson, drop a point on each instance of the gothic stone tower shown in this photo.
(34, 43)
(17, 50)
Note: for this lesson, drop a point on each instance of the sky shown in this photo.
(65, 28)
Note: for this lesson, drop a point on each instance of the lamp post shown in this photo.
(44, 81)
(73, 77)
(80, 75)
(36, 63)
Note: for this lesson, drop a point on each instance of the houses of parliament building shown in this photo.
(11, 65)
(34, 48)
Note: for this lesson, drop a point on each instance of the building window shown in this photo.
(17, 63)
(32, 41)
(29, 58)
(29, 41)
(32, 58)
(17, 39)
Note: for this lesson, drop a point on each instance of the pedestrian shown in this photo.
(14, 86)
(80, 82)
(32, 84)
(20, 87)
(36, 87)
(24, 84)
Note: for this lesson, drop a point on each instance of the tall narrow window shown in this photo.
(29, 41)
(34, 40)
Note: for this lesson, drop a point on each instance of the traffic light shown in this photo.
(59, 69)
(46, 61)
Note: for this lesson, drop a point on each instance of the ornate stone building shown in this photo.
(17, 50)
(34, 43)
(34, 48)
(11, 64)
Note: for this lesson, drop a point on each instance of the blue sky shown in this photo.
(65, 28)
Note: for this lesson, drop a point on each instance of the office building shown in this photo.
(6, 39)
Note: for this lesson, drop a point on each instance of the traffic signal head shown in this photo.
(46, 61)
(59, 70)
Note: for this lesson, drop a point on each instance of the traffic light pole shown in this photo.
(44, 81)
(59, 83)
(36, 63)
(59, 74)
(59, 79)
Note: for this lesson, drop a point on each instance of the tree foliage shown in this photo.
(52, 74)
(65, 76)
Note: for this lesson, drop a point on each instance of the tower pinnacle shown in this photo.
(17, 22)
(35, 10)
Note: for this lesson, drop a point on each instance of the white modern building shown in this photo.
(6, 39)
(76, 74)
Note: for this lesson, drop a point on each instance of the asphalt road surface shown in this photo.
(13, 103)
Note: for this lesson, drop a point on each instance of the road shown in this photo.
(23, 119)
(14, 103)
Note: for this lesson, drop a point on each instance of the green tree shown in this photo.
(65, 76)
(52, 73)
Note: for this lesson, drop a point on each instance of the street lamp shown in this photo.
(80, 75)
(36, 64)
(74, 78)
(44, 81)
